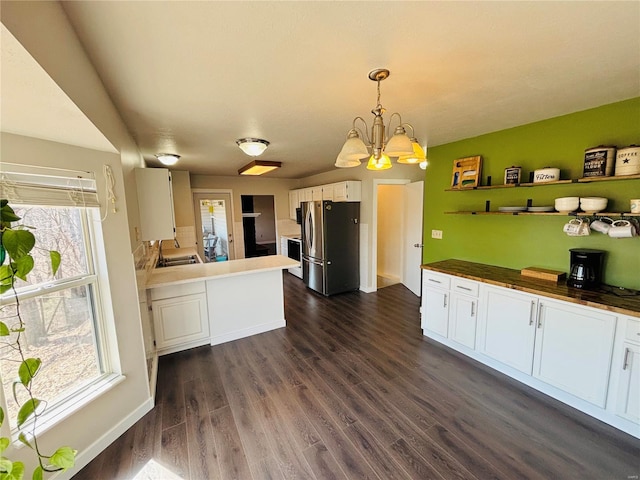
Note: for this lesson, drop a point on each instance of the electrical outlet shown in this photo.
(436, 234)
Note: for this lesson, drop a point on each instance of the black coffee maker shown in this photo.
(586, 268)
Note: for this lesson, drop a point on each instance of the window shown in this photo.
(62, 314)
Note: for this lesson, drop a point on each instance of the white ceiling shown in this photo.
(192, 77)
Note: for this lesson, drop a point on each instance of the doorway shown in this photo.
(214, 226)
(259, 225)
(397, 246)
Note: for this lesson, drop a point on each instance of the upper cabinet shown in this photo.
(347, 191)
(155, 204)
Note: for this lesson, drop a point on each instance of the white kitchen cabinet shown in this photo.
(435, 303)
(507, 326)
(327, 192)
(180, 317)
(573, 348)
(349, 191)
(294, 202)
(155, 204)
(463, 313)
(628, 399)
(306, 195)
(627, 404)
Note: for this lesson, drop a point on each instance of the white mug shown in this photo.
(577, 228)
(635, 205)
(602, 225)
(622, 229)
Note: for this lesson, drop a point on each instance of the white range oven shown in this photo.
(292, 248)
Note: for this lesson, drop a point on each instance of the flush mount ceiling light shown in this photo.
(377, 146)
(167, 159)
(259, 167)
(252, 146)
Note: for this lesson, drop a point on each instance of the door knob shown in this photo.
(418, 245)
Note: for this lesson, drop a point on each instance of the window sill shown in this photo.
(58, 413)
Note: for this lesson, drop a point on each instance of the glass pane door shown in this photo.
(214, 226)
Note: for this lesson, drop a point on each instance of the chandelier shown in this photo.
(379, 149)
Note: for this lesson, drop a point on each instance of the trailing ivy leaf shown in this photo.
(14, 470)
(3, 202)
(55, 261)
(1, 416)
(23, 438)
(2, 251)
(64, 457)
(7, 214)
(6, 278)
(23, 266)
(4, 332)
(37, 473)
(28, 369)
(18, 242)
(27, 410)
(4, 443)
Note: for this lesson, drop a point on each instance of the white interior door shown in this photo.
(413, 193)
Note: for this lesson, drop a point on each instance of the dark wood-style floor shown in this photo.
(350, 389)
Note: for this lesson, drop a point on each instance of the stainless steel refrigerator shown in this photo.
(331, 246)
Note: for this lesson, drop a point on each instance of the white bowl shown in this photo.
(567, 204)
(593, 204)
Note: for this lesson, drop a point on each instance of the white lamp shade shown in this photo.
(383, 163)
(353, 149)
(417, 156)
(399, 145)
(344, 163)
(252, 146)
(168, 159)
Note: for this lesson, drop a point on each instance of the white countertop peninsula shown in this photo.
(213, 303)
(164, 277)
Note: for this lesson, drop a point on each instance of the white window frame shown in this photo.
(96, 279)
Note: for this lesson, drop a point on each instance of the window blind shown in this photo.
(30, 185)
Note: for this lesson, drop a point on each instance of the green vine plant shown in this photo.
(16, 243)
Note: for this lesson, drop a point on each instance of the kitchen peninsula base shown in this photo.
(245, 305)
(214, 303)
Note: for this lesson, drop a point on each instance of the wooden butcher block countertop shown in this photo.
(510, 278)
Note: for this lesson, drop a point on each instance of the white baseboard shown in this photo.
(183, 346)
(366, 289)
(247, 332)
(92, 451)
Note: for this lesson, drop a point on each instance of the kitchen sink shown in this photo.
(175, 261)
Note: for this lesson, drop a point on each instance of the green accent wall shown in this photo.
(522, 241)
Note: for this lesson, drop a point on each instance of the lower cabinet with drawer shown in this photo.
(435, 303)
(180, 317)
(463, 312)
(450, 308)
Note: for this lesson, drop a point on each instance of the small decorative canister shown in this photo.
(599, 161)
(628, 161)
(512, 175)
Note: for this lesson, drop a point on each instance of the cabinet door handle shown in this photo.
(434, 281)
(533, 304)
(540, 315)
(445, 300)
(472, 309)
(464, 288)
(625, 363)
